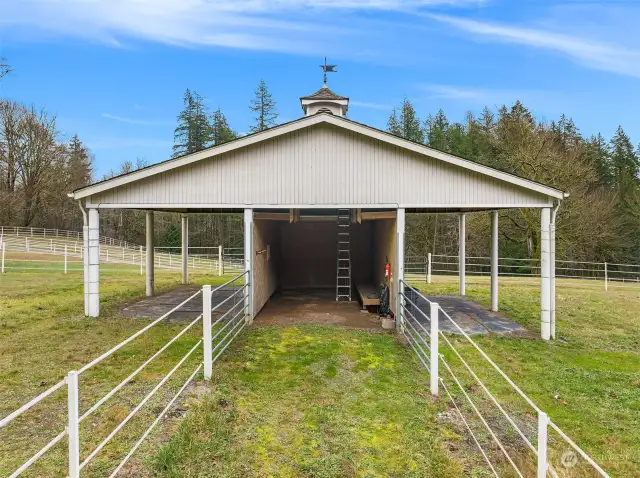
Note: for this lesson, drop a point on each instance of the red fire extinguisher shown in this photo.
(387, 270)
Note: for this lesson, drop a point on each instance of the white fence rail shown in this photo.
(234, 311)
(515, 440)
(58, 253)
(436, 264)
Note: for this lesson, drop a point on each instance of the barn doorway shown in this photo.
(295, 270)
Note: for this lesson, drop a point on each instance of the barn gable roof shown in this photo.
(307, 122)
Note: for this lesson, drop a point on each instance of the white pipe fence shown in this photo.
(232, 320)
(425, 268)
(42, 254)
(498, 447)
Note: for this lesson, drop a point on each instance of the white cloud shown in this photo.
(123, 119)
(373, 106)
(599, 55)
(280, 25)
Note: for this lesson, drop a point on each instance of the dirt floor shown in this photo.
(317, 306)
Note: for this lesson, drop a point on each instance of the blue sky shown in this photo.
(114, 72)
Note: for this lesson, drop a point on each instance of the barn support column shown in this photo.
(494, 261)
(94, 263)
(150, 272)
(552, 248)
(248, 262)
(400, 226)
(185, 249)
(462, 254)
(545, 274)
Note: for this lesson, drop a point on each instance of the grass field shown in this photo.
(593, 368)
(306, 401)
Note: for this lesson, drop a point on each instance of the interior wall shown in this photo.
(265, 265)
(384, 246)
(309, 254)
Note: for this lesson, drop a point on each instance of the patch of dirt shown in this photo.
(315, 307)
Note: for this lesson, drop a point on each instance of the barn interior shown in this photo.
(296, 261)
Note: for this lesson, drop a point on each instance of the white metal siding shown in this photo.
(322, 165)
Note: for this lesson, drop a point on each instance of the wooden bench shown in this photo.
(369, 294)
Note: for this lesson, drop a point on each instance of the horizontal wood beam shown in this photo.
(369, 216)
(272, 216)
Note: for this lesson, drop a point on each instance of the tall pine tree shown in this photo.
(264, 107)
(192, 132)
(220, 131)
(406, 124)
(624, 161)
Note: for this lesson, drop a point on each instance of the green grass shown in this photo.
(594, 367)
(44, 334)
(311, 401)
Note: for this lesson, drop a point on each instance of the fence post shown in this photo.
(26, 244)
(220, 261)
(429, 268)
(4, 248)
(141, 260)
(73, 429)
(31, 231)
(606, 277)
(123, 254)
(206, 331)
(434, 357)
(543, 421)
(65, 258)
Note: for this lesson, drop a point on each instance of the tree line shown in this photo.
(599, 221)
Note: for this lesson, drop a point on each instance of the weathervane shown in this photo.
(327, 69)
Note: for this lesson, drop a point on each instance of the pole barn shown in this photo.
(324, 201)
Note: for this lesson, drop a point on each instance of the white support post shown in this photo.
(494, 261)
(85, 266)
(462, 254)
(4, 248)
(545, 274)
(26, 244)
(150, 279)
(248, 262)
(400, 227)
(220, 261)
(185, 249)
(65, 258)
(434, 355)
(73, 426)
(94, 263)
(543, 421)
(606, 277)
(429, 268)
(206, 331)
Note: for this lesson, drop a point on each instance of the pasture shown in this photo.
(307, 400)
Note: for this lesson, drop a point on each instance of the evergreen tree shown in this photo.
(220, 131)
(407, 124)
(436, 131)
(264, 107)
(172, 236)
(624, 161)
(79, 164)
(598, 155)
(192, 132)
